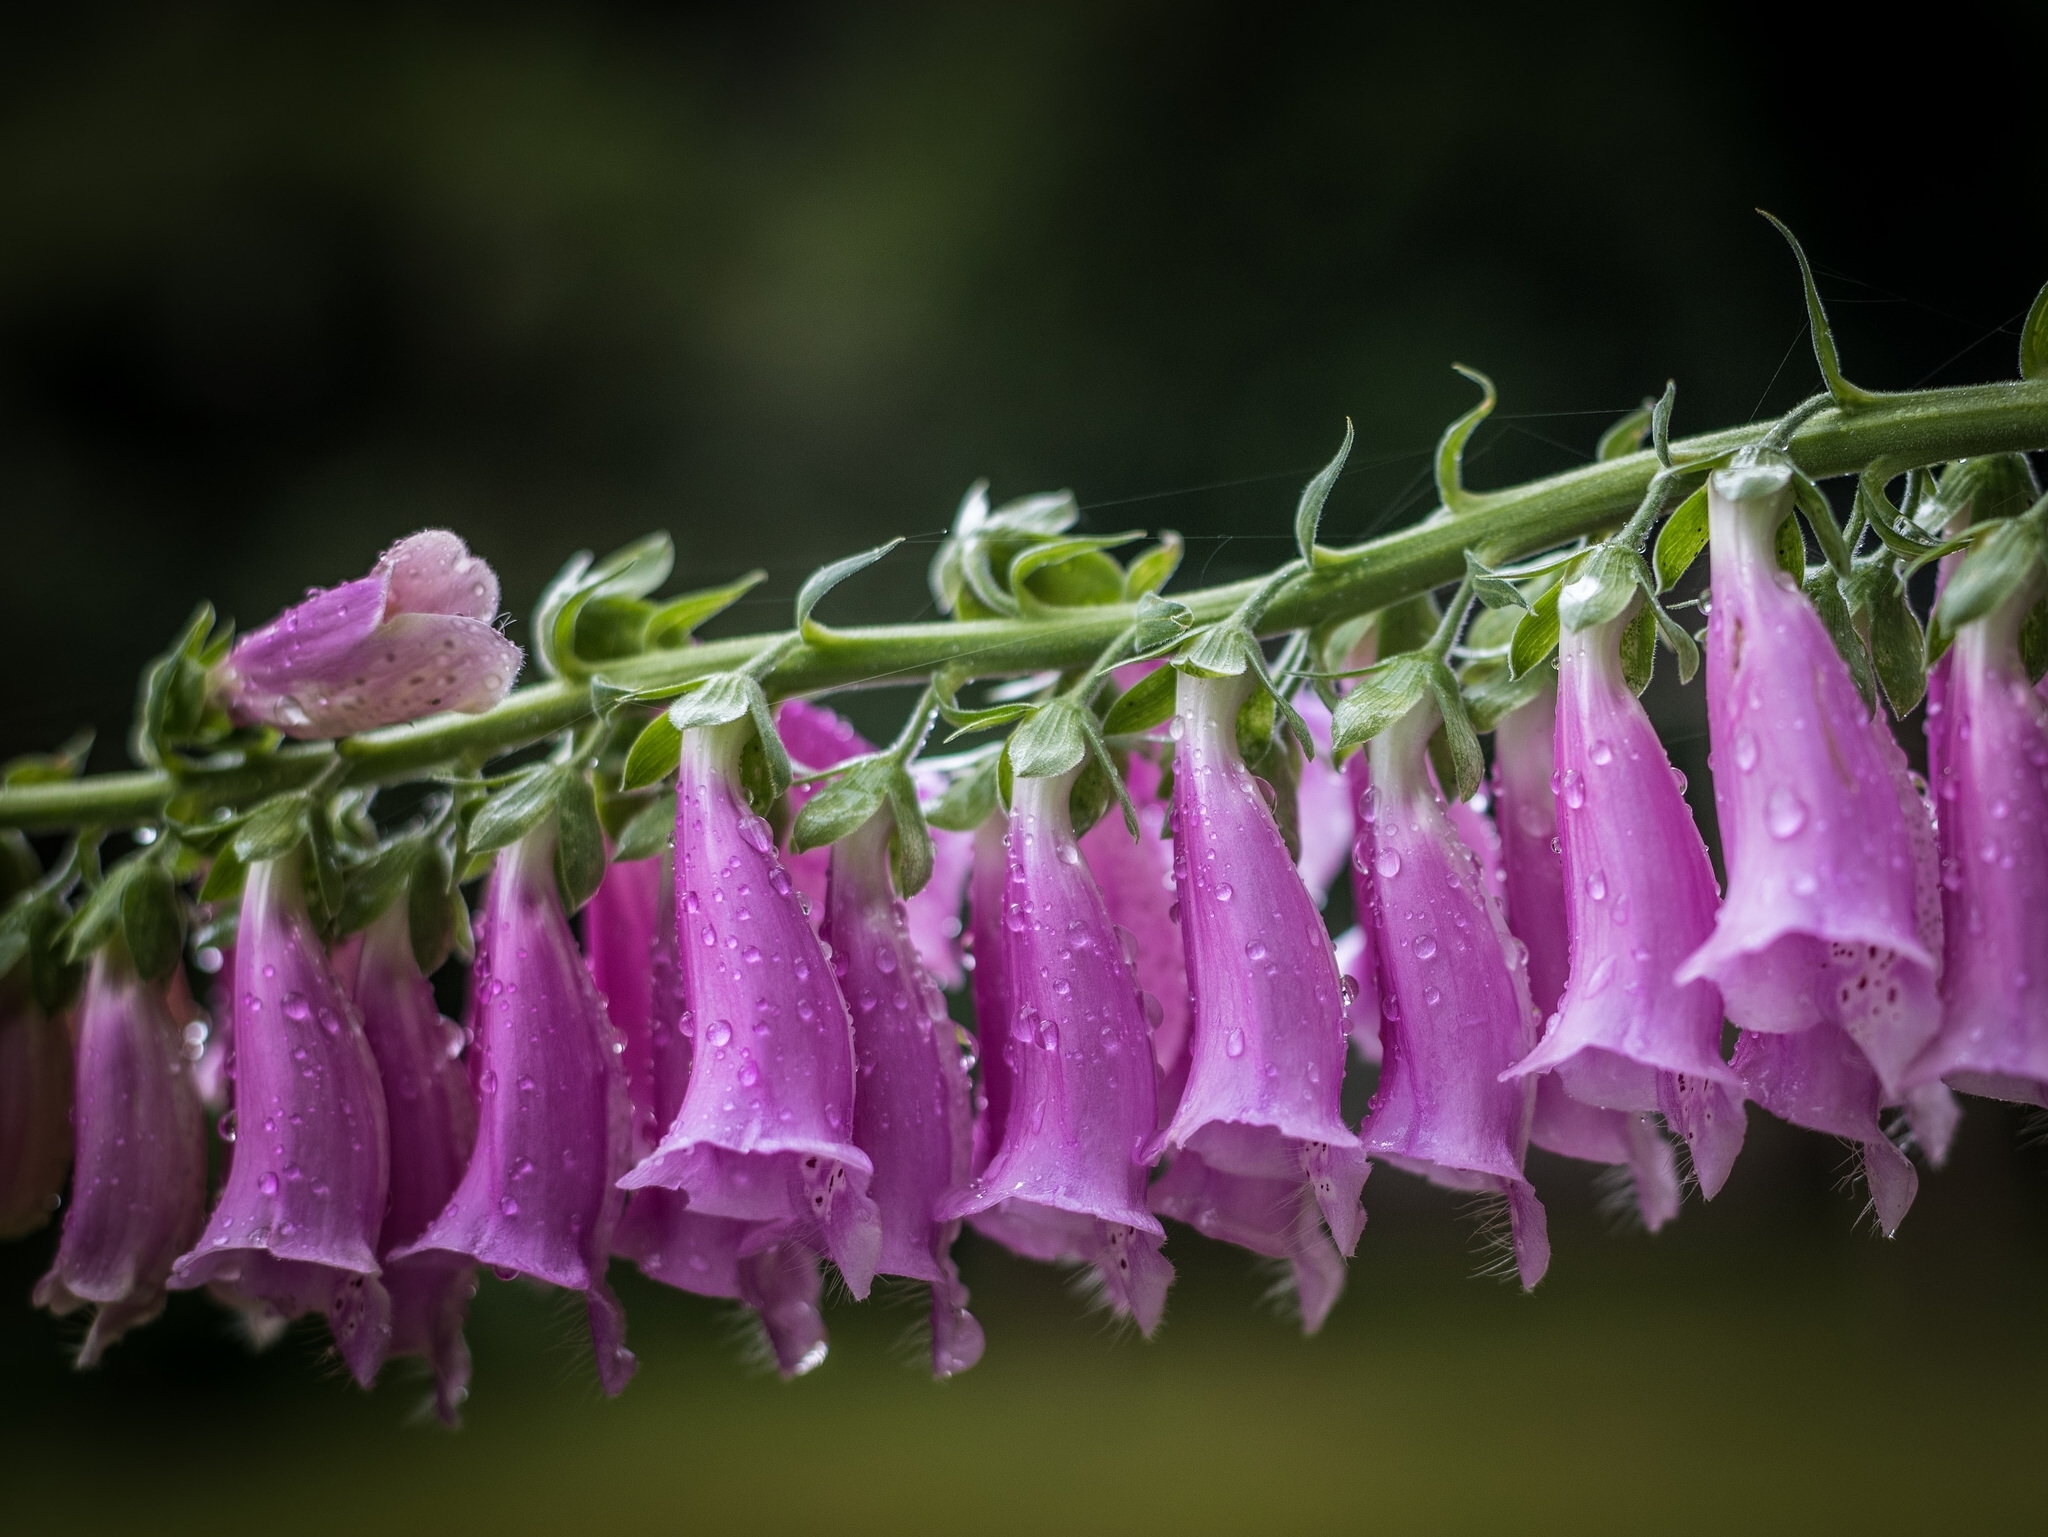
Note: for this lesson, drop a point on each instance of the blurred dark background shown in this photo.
(278, 286)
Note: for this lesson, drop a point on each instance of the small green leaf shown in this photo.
(824, 580)
(631, 573)
(1450, 448)
(515, 809)
(579, 844)
(649, 831)
(275, 828)
(1382, 696)
(2034, 641)
(2034, 339)
(1639, 649)
(1153, 568)
(724, 697)
(98, 919)
(1161, 624)
(1144, 705)
(371, 885)
(1681, 539)
(1601, 589)
(1660, 422)
(910, 841)
(1675, 635)
(1256, 719)
(1468, 761)
(1625, 436)
(673, 623)
(1308, 512)
(1491, 692)
(2005, 558)
(1050, 742)
(966, 722)
(844, 804)
(1846, 395)
(1824, 590)
(1068, 573)
(1220, 650)
(1491, 590)
(969, 799)
(431, 901)
(1897, 646)
(1792, 550)
(654, 754)
(1112, 768)
(1820, 517)
(224, 877)
(1536, 636)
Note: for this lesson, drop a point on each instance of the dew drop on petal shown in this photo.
(1388, 863)
(1233, 1043)
(1784, 812)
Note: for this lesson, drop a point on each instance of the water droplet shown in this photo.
(1347, 985)
(1745, 751)
(1596, 886)
(1574, 791)
(885, 960)
(759, 835)
(267, 1184)
(750, 1074)
(1233, 1042)
(508, 1206)
(1431, 996)
(1223, 891)
(296, 1008)
(1425, 946)
(717, 1033)
(1255, 950)
(751, 955)
(1602, 754)
(1388, 863)
(1784, 813)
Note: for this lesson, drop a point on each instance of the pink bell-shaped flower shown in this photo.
(1820, 921)
(35, 1108)
(1067, 1182)
(538, 1197)
(430, 1106)
(912, 1112)
(1454, 995)
(297, 1227)
(138, 1195)
(1267, 1069)
(765, 1131)
(413, 637)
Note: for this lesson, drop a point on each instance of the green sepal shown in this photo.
(1468, 760)
(1493, 590)
(1537, 635)
(1308, 512)
(1280, 767)
(1601, 589)
(1845, 395)
(174, 708)
(673, 623)
(1450, 449)
(654, 754)
(2004, 557)
(224, 877)
(1678, 638)
(373, 883)
(1151, 569)
(1492, 693)
(1112, 767)
(2034, 338)
(1220, 650)
(724, 698)
(967, 722)
(1382, 695)
(1144, 705)
(1660, 422)
(1820, 517)
(910, 840)
(844, 804)
(1162, 624)
(59, 767)
(436, 918)
(647, 833)
(579, 841)
(1681, 539)
(1791, 550)
(1824, 591)
(515, 808)
(34, 935)
(1256, 723)
(1877, 601)
(969, 799)
(1639, 649)
(823, 580)
(1050, 741)
(1296, 726)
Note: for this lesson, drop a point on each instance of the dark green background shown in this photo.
(280, 285)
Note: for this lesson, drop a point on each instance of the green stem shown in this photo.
(1920, 428)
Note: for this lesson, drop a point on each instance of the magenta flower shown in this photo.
(1817, 1078)
(1361, 961)
(1136, 879)
(1637, 893)
(1454, 996)
(1267, 1068)
(1531, 865)
(538, 1197)
(1987, 736)
(1276, 1217)
(765, 1132)
(297, 1227)
(432, 1111)
(630, 936)
(1324, 804)
(1820, 922)
(912, 1113)
(818, 738)
(138, 1196)
(35, 1108)
(1067, 1182)
(988, 943)
(413, 637)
